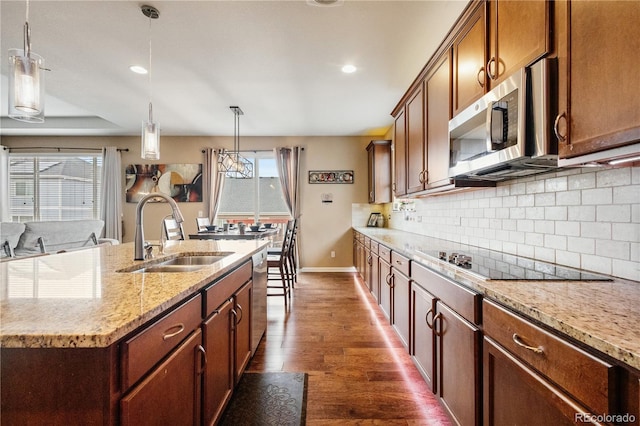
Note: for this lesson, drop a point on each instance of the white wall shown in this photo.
(584, 218)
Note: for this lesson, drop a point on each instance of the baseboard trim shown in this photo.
(328, 269)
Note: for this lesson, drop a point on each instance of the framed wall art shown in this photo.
(330, 176)
(182, 182)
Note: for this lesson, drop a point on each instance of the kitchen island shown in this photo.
(85, 339)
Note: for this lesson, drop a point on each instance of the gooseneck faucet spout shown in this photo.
(139, 236)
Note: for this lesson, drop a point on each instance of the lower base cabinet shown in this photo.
(423, 305)
(170, 394)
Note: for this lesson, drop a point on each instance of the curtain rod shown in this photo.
(257, 150)
(59, 149)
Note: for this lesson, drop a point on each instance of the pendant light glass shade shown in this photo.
(150, 148)
(231, 163)
(26, 81)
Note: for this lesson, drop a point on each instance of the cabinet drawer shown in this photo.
(400, 263)
(462, 300)
(222, 289)
(367, 242)
(145, 349)
(589, 379)
(385, 253)
(374, 247)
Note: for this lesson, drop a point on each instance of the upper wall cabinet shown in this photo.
(400, 154)
(416, 149)
(519, 33)
(599, 89)
(469, 59)
(379, 158)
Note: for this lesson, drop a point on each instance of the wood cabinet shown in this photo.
(469, 53)
(227, 338)
(519, 33)
(400, 296)
(452, 336)
(379, 178)
(385, 281)
(400, 154)
(599, 106)
(373, 278)
(423, 340)
(438, 98)
(219, 381)
(551, 379)
(170, 394)
(416, 148)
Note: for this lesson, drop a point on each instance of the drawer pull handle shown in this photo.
(518, 341)
(167, 335)
(426, 319)
(241, 313)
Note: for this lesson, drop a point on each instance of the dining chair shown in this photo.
(202, 223)
(172, 229)
(281, 261)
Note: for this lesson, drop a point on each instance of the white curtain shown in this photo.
(5, 213)
(111, 193)
(213, 182)
(288, 162)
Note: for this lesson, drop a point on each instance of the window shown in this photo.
(54, 187)
(256, 199)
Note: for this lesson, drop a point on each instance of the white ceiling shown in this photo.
(279, 61)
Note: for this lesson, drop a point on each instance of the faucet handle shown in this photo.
(149, 250)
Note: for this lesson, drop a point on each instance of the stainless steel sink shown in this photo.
(181, 263)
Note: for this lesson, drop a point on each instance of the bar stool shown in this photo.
(279, 257)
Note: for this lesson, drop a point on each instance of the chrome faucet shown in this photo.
(138, 253)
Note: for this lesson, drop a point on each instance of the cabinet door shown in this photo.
(416, 149)
(458, 365)
(375, 277)
(469, 59)
(519, 34)
(423, 340)
(385, 288)
(242, 327)
(379, 159)
(218, 380)
(604, 103)
(367, 267)
(438, 88)
(400, 155)
(400, 298)
(516, 395)
(170, 395)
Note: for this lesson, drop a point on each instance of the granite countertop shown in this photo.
(79, 299)
(601, 314)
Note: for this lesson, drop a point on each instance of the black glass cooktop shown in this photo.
(494, 265)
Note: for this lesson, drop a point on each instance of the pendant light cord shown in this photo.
(27, 34)
(150, 85)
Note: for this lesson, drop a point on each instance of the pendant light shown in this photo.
(231, 162)
(26, 81)
(150, 149)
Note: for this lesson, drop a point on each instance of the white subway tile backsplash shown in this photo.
(597, 196)
(582, 181)
(596, 230)
(596, 263)
(613, 213)
(616, 249)
(613, 177)
(581, 245)
(576, 217)
(582, 213)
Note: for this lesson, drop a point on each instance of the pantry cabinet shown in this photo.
(598, 106)
(519, 34)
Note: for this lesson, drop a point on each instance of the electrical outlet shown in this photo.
(333, 253)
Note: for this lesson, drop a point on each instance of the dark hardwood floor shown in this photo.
(359, 373)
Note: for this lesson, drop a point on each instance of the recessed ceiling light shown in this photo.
(349, 69)
(138, 69)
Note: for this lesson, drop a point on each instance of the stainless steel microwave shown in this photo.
(506, 133)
